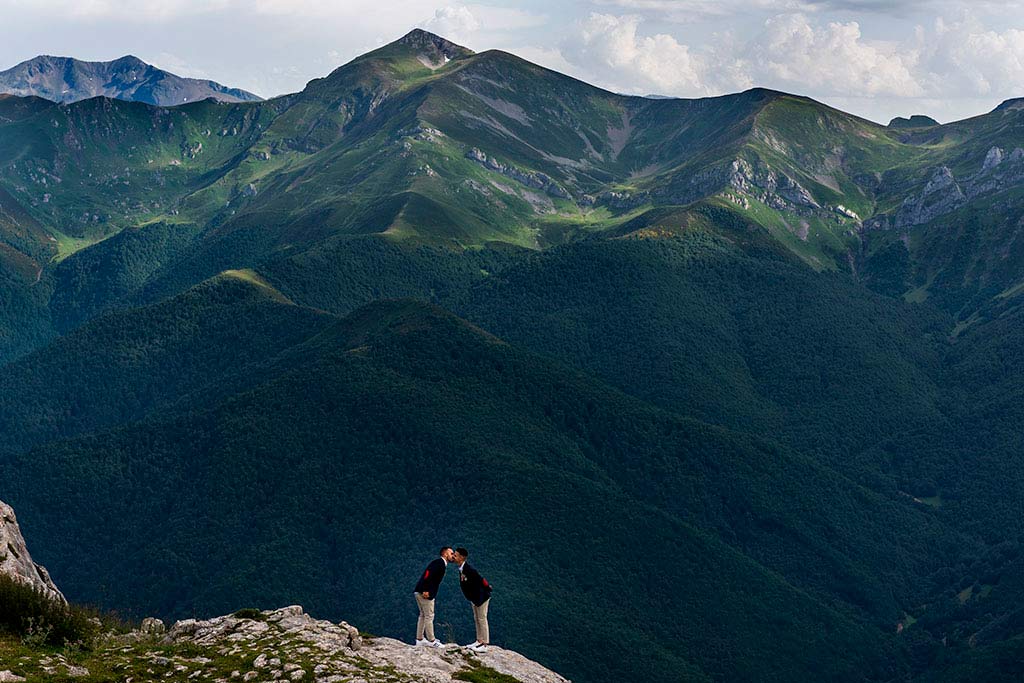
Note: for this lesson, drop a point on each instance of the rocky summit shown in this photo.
(15, 560)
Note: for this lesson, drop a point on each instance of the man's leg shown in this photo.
(483, 631)
(425, 624)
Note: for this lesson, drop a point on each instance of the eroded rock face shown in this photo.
(945, 193)
(15, 560)
(280, 643)
(534, 179)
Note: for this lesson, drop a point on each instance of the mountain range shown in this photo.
(65, 79)
(716, 389)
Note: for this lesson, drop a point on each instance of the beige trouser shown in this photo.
(483, 632)
(425, 624)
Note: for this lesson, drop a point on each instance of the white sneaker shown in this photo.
(435, 643)
(475, 643)
(478, 648)
(422, 643)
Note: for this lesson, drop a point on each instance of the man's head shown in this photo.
(460, 555)
(448, 554)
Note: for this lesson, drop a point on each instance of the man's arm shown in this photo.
(432, 578)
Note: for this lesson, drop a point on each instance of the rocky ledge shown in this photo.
(286, 644)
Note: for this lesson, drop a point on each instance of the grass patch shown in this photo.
(68, 244)
(254, 278)
(484, 674)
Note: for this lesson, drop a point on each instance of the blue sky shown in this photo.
(878, 58)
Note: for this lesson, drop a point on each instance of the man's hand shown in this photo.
(426, 594)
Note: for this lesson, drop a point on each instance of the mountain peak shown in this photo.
(915, 121)
(66, 79)
(425, 40)
(129, 60)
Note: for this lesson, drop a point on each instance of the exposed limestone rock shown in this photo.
(940, 195)
(944, 193)
(289, 644)
(768, 186)
(15, 560)
(849, 213)
(153, 626)
(622, 200)
(992, 159)
(534, 179)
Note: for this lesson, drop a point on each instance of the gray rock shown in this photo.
(992, 159)
(153, 626)
(534, 179)
(15, 560)
(325, 640)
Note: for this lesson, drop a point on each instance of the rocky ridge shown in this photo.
(65, 79)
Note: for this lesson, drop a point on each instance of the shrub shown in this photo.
(28, 613)
(250, 613)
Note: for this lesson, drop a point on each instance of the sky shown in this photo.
(949, 59)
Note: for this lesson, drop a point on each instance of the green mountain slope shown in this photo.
(415, 424)
(425, 142)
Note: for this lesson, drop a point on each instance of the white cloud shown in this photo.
(832, 59)
(801, 53)
(689, 11)
(866, 53)
(455, 22)
(610, 49)
(965, 57)
(136, 10)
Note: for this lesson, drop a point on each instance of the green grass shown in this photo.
(484, 674)
(68, 245)
(252, 277)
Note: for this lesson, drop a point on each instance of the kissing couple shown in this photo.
(474, 587)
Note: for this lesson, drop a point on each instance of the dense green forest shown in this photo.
(352, 448)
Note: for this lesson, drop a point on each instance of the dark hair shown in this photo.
(462, 551)
(445, 547)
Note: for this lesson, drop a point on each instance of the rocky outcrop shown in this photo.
(15, 560)
(288, 644)
(770, 187)
(534, 179)
(915, 121)
(945, 193)
(272, 645)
